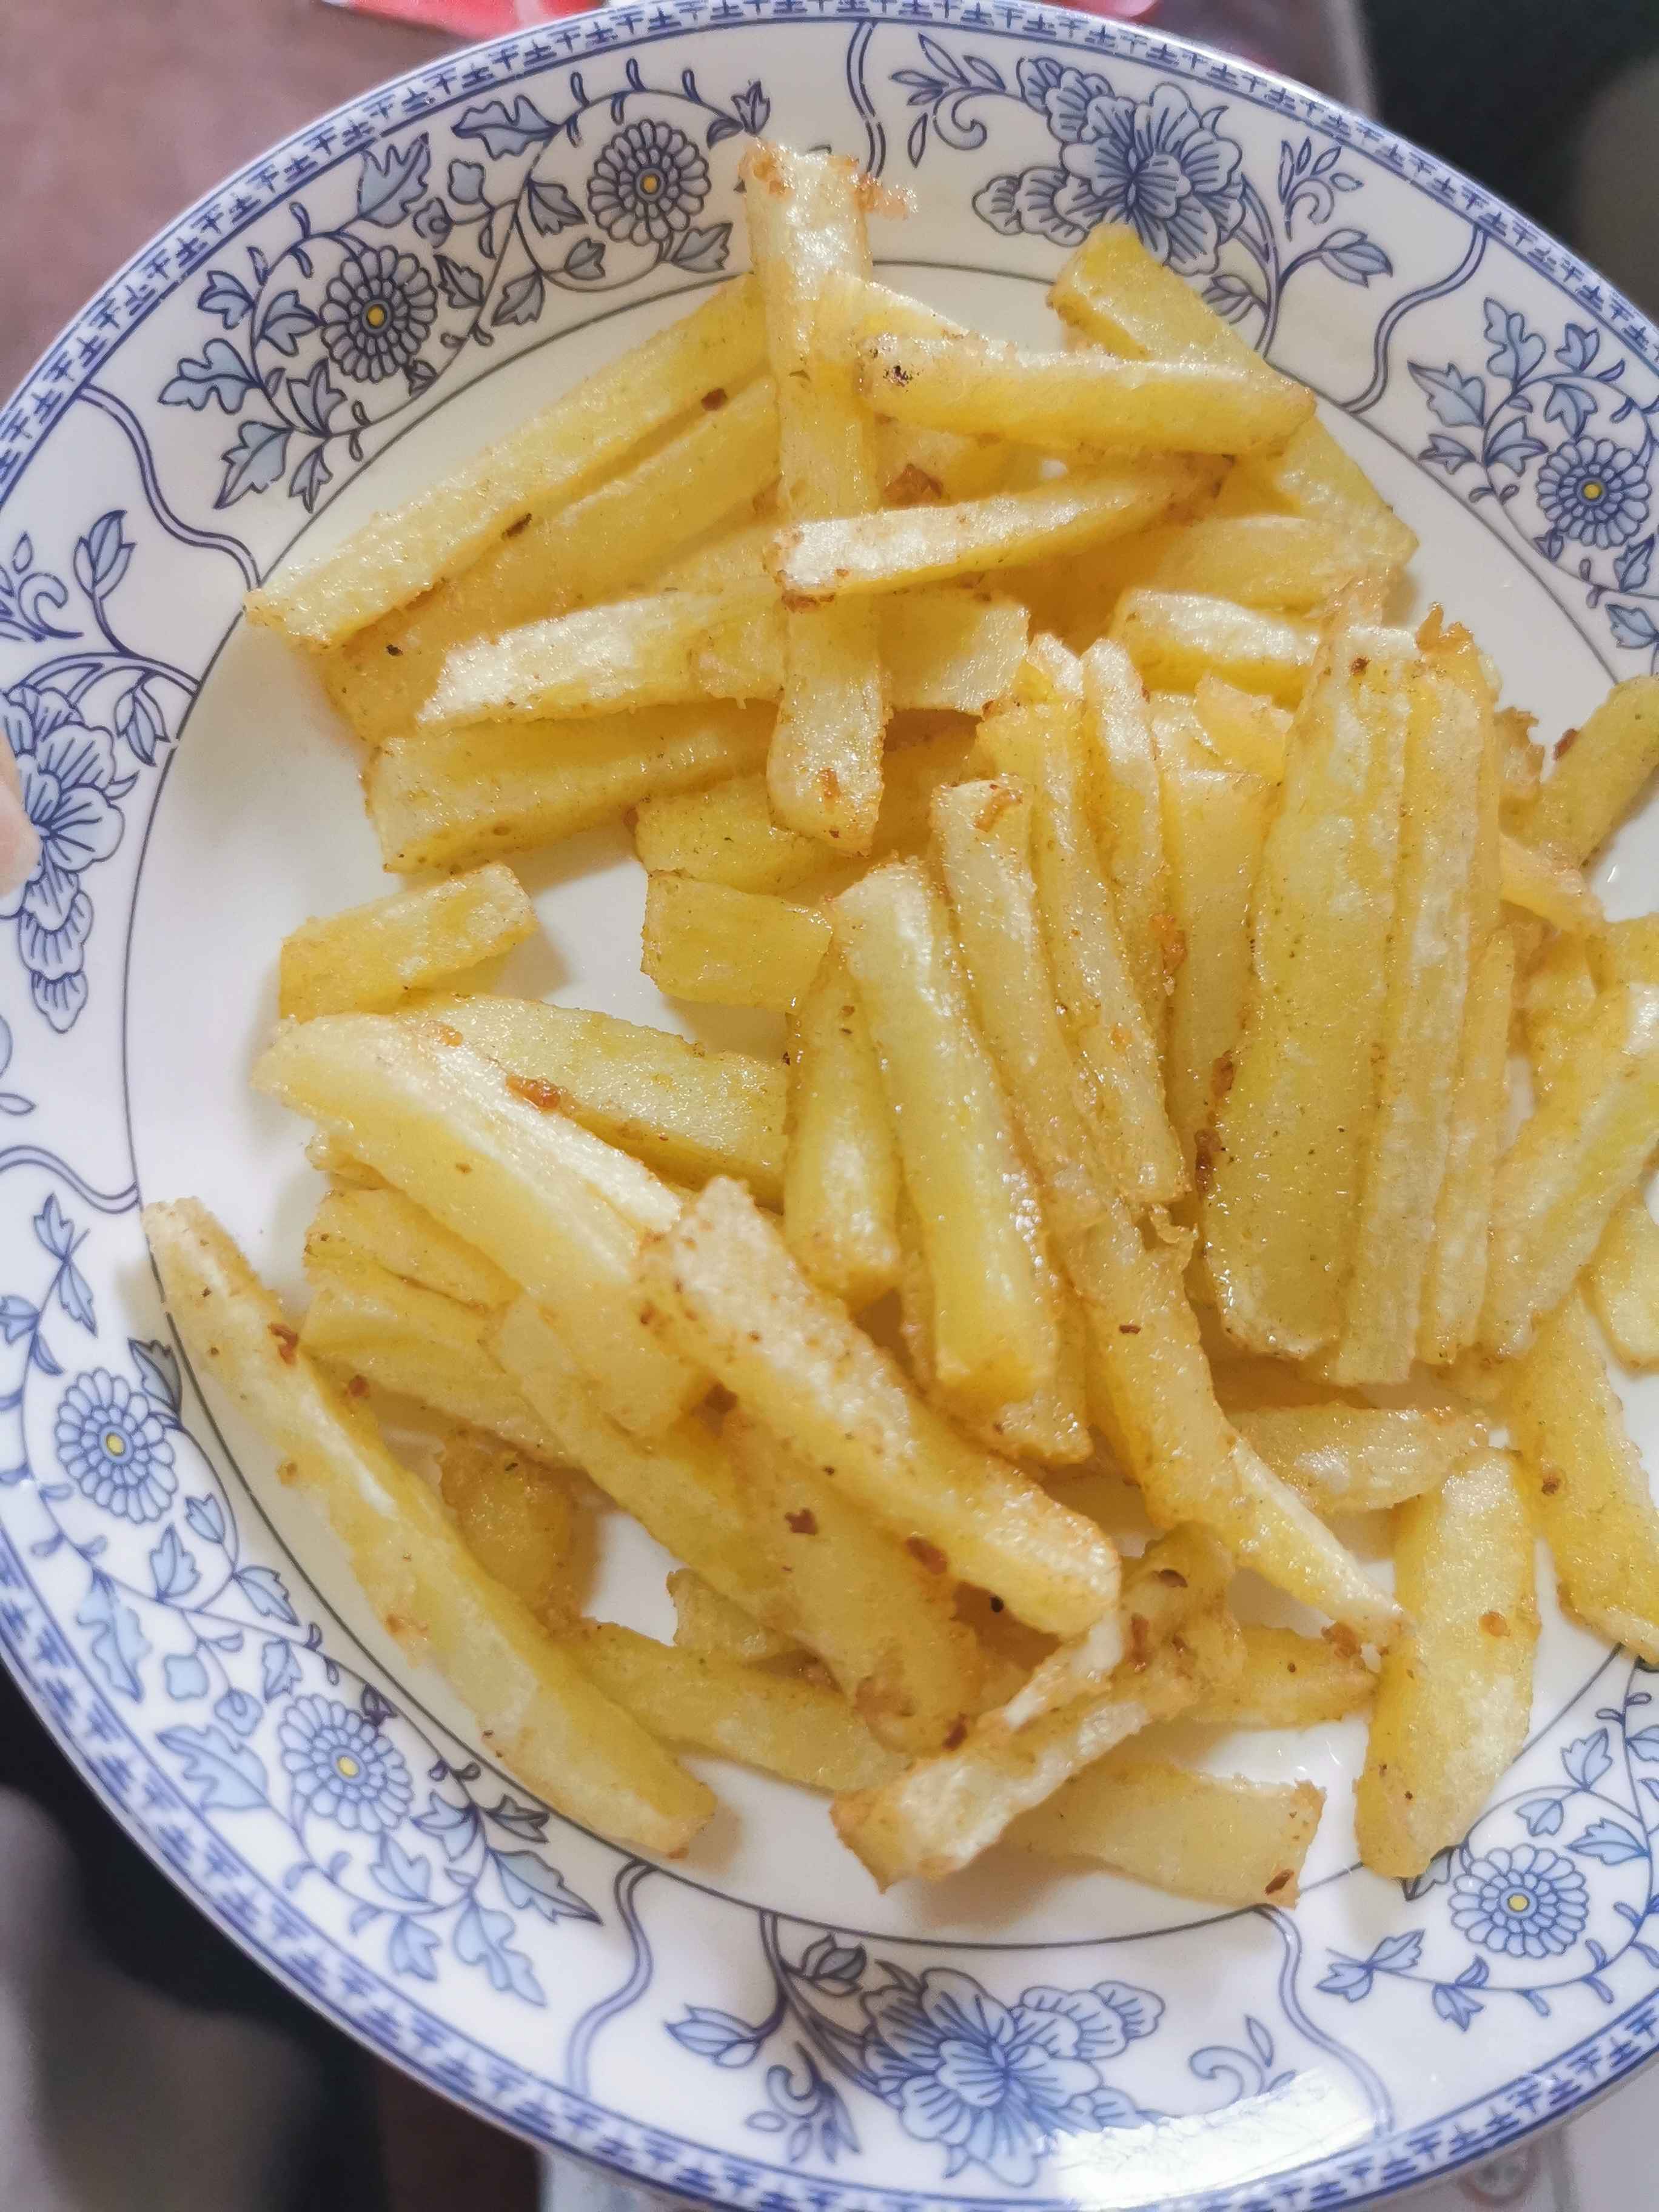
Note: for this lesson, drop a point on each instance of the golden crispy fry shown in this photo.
(537, 1711)
(367, 1325)
(995, 1323)
(1246, 731)
(949, 649)
(1359, 1459)
(1215, 824)
(806, 217)
(1293, 563)
(704, 1620)
(1279, 1214)
(1520, 762)
(723, 1279)
(382, 1226)
(1429, 960)
(1089, 403)
(1454, 1286)
(945, 1810)
(1126, 802)
(1177, 638)
(563, 1213)
(684, 1109)
(1109, 1031)
(1600, 776)
(550, 459)
(1217, 1837)
(1582, 1152)
(1289, 1681)
(1558, 999)
(679, 1486)
(1454, 1702)
(615, 540)
(373, 958)
(726, 835)
(1538, 883)
(726, 948)
(877, 1611)
(1625, 953)
(1311, 476)
(334, 1159)
(516, 1517)
(1589, 1487)
(448, 799)
(778, 1722)
(841, 1176)
(1623, 1283)
(895, 550)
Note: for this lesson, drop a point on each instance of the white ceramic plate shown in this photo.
(756, 2025)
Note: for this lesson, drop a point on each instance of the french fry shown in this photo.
(777, 1723)
(615, 540)
(806, 217)
(717, 947)
(679, 1486)
(1214, 827)
(1558, 999)
(1586, 1480)
(1126, 804)
(1116, 294)
(450, 799)
(1582, 1152)
(1429, 960)
(561, 1212)
(1599, 777)
(1246, 731)
(1454, 1701)
(1520, 764)
(1288, 1680)
(373, 958)
(723, 1279)
(995, 1323)
(1538, 883)
(897, 549)
(516, 1517)
(557, 454)
(1097, 996)
(1220, 1838)
(1454, 1286)
(1294, 564)
(842, 1173)
(1625, 953)
(661, 650)
(725, 834)
(1177, 638)
(949, 650)
(1359, 1459)
(334, 1159)
(382, 1226)
(874, 1609)
(367, 1325)
(1623, 1283)
(1090, 403)
(731, 560)
(537, 1711)
(1278, 1216)
(686, 1111)
(704, 1620)
(941, 1814)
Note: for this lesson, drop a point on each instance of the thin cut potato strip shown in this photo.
(1599, 777)
(1125, 799)
(375, 957)
(1289, 1681)
(1359, 1459)
(386, 1227)
(1623, 1284)
(717, 947)
(1247, 731)
(1177, 638)
(1220, 1838)
(705, 1620)
(552, 458)
(1293, 563)
(843, 1175)
(537, 1711)
(896, 550)
(1539, 883)
(1454, 1701)
(723, 1280)
(517, 1517)
(1454, 1287)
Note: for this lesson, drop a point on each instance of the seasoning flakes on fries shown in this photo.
(1035, 728)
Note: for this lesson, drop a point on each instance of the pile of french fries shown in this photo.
(1136, 1197)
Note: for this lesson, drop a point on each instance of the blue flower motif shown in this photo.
(1596, 490)
(1529, 1902)
(114, 1448)
(997, 2085)
(377, 312)
(69, 791)
(343, 1767)
(1157, 163)
(648, 184)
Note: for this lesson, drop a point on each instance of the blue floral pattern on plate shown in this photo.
(219, 392)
